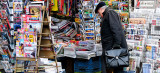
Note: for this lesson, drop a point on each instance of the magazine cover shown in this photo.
(26, 45)
(18, 6)
(17, 10)
(4, 13)
(17, 14)
(115, 5)
(5, 6)
(20, 64)
(124, 17)
(132, 65)
(89, 34)
(36, 10)
(7, 67)
(147, 4)
(31, 21)
(147, 67)
(137, 20)
(137, 4)
(35, 3)
(124, 6)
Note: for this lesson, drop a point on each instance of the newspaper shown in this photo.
(85, 54)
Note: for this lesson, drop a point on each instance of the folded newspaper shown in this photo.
(85, 54)
(98, 49)
(70, 51)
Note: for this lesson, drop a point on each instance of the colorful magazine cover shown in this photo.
(4, 13)
(125, 6)
(7, 67)
(31, 21)
(132, 65)
(26, 45)
(124, 17)
(115, 5)
(17, 11)
(36, 10)
(137, 20)
(18, 6)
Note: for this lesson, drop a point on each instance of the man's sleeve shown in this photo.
(116, 28)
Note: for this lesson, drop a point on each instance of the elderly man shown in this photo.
(112, 34)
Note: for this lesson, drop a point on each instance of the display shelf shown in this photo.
(46, 42)
(46, 22)
(45, 30)
(44, 33)
(26, 59)
(46, 54)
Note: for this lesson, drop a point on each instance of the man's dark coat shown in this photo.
(111, 34)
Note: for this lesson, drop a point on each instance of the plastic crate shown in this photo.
(89, 66)
(89, 72)
(127, 72)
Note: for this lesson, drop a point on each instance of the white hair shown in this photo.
(104, 7)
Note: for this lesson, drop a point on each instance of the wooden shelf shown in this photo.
(25, 59)
(45, 23)
(42, 43)
(45, 32)
(45, 42)
(46, 54)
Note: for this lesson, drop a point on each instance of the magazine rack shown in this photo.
(42, 43)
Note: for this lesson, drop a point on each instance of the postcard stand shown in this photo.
(42, 43)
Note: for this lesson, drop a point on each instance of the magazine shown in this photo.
(36, 10)
(124, 17)
(147, 4)
(17, 11)
(31, 21)
(26, 45)
(37, 3)
(70, 51)
(7, 67)
(5, 6)
(132, 65)
(4, 13)
(146, 67)
(18, 6)
(20, 64)
(137, 20)
(124, 6)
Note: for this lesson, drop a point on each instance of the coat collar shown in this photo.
(105, 11)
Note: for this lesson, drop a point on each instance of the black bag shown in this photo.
(117, 58)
